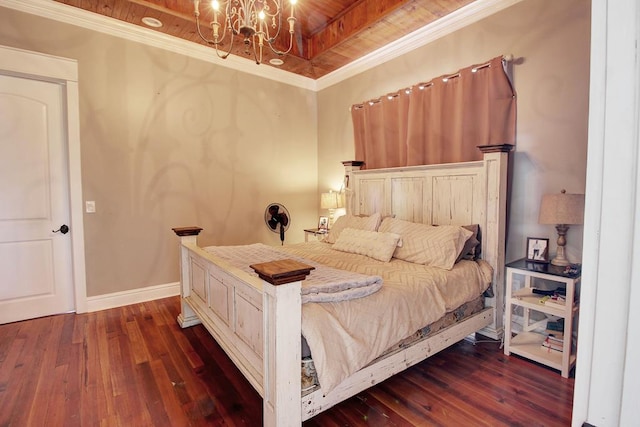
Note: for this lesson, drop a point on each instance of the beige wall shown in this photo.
(550, 41)
(169, 141)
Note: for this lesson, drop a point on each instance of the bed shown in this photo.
(255, 310)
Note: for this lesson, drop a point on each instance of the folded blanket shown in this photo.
(324, 284)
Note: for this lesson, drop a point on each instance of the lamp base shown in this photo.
(331, 211)
(560, 262)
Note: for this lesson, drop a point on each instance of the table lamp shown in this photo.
(561, 209)
(331, 201)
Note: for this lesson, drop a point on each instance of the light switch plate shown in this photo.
(90, 206)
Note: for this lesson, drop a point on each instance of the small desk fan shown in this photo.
(276, 216)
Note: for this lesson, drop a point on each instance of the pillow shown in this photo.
(373, 244)
(471, 249)
(434, 246)
(369, 223)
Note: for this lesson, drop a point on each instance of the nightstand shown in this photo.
(542, 314)
(314, 232)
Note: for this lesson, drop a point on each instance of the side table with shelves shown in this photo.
(537, 311)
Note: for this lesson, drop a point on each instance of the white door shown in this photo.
(35, 262)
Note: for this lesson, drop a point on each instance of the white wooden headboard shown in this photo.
(454, 193)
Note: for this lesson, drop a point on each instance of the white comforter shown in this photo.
(346, 336)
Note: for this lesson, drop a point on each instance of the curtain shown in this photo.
(441, 121)
(381, 121)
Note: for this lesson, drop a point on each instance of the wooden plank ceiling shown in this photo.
(329, 33)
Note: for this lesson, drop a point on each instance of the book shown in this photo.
(556, 325)
(550, 348)
(552, 339)
(559, 291)
(553, 343)
(555, 334)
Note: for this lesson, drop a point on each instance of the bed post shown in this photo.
(282, 314)
(350, 166)
(188, 236)
(494, 237)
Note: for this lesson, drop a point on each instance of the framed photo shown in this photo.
(323, 223)
(537, 249)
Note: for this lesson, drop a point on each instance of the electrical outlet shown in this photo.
(90, 206)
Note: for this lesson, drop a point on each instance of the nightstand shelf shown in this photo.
(537, 311)
(529, 345)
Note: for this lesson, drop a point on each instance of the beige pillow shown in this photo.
(373, 244)
(369, 223)
(434, 246)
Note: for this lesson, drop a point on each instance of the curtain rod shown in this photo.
(421, 86)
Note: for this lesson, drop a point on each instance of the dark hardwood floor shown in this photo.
(133, 366)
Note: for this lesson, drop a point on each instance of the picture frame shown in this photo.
(537, 250)
(323, 223)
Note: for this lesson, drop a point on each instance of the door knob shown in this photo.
(64, 229)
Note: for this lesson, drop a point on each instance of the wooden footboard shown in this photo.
(257, 321)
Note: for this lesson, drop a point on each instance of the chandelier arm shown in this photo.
(281, 52)
(275, 36)
(224, 56)
(227, 53)
(200, 31)
(292, 21)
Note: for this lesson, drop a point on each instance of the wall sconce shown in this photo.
(563, 210)
(331, 201)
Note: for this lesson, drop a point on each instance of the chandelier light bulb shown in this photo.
(215, 5)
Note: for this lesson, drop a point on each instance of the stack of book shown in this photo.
(553, 342)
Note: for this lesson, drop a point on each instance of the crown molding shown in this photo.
(454, 21)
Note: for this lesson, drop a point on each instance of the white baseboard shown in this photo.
(134, 296)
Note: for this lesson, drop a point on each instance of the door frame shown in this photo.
(607, 369)
(39, 66)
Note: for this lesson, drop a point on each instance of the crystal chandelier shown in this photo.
(256, 21)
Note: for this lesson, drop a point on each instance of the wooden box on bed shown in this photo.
(257, 321)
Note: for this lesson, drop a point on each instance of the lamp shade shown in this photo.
(561, 208)
(331, 200)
